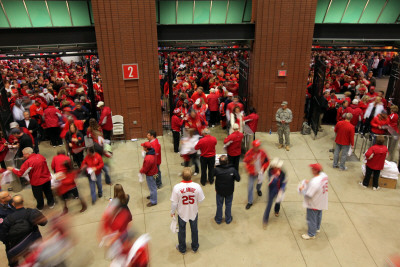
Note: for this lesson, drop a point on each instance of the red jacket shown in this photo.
(235, 148)
(207, 146)
(51, 117)
(250, 159)
(195, 96)
(106, 113)
(12, 139)
(149, 167)
(232, 105)
(378, 160)
(95, 161)
(344, 133)
(213, 102)
(393, 120)
(252, 121)
(340, 112)
(176, 123)
(157, 148)
(357, 113)
(38, 171)
(57, 164)
(376, 122)
(3, 149)
(68, 182)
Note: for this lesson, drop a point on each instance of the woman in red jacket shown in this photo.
(378, 123)
(93, 163)
(375, 156)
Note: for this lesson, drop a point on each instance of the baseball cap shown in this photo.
(235, 126)
(230, 94)
(276, 163)
(13, 125)
(372, 88)
(355, 102)
(177, 110)
(284, 103)
(256, 143)
(146, 145)
(45, 91)
(197, 101)
(316, 166)
(100, 104)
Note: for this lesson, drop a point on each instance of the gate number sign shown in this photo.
(130, 71)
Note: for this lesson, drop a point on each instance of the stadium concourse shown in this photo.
(360, 228)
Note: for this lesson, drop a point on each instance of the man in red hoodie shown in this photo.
(105, 120)
(213, 106)
(35, 166)
(152, 137)
(93, 163)
(176, 124)
(344, 138)
(234, 146)
(149, 169)
(51, 119)
(206, 145)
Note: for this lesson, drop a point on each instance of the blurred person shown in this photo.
(52, 117)
(35, 166)
(4, 148)
(283, 118)
(93, 163)
(276, 187)
(185, 199)
(376, 156)
(225, 177)
(188, 152)
(152, 137)
(236, 118)
(393, 123)
(257, 162)
(357, 114)
(233, 144)
(344, 140)
(75, 143)
(150, 169)
(18, 111)
(176, 125)
(379, 124)
(206, 145)
(33, 127)
(196, 122)
(58, 161)
(252, 121)
(199, 94)
(315, 192)
(107, 158)
(105, 120)
(342, 110)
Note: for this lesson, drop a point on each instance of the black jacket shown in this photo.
(33, 126)
(225, 177)
(24, 141)
(82, 114)
(5, 210)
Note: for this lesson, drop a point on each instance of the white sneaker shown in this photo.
(195, 173)
(376, 188)
(361, 183)
(318, 231)
(307, 237)
(52, 206)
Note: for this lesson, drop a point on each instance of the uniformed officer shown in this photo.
(283, 118)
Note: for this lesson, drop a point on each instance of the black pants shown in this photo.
(193, 158)
(214, 115)
(176, 137)
(207, 163)
(38, 194)
(368, 173)
(54, 135)
(234, 160)
(107, 134)
(3, 165)
(78, 158)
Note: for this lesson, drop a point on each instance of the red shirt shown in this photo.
(393, 119)
(344, 133)
(149, 167)
(39, 172)
(51, 115)
(252, 121)
(68, 182)
(195, 96)
(95, 161)
(252, 156)
(157, 148)
(213, 102)
(176, 123)
(356, 112)
(106, 113)
(378, 160)
(235, 148)
(376, 122)
(57, 164)
(206, 145)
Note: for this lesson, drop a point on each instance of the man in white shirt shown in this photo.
(315, 192)
(185, 199)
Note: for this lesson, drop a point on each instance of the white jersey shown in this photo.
(186, 197)
(316, 193)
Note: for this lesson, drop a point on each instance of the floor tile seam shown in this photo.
(330, 244)
(373, 204)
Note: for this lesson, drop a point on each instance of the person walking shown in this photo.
(315, 192)
(152, 137)
(375, 156)
(276, 187)
(185, 199)
(283, 118)
(176, 125)
(256, 163)
(51, 118)
(393, 123)
(344, 139)
(251, 120)
(233, 144)
(75, 143)
(21, 230)
(35, 166)
(93, 162)
(206, 145)
(225, 177)
(105, 120)
(150, 169)
(188, 152)
(57, 163)
(213, 106)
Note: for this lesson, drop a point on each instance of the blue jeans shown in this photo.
(273, 192)
(252, 179)
(345, 151)
(182, 234)
(106, 170)
(151, 183)
(228, 208)
(314, 218)
(93, 184)
(158, 179)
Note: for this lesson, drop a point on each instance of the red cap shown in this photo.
(46, 80)
(316, 166)
(361, 89)
(177, 110)
(67, 109)
(256, 143)
(372, 88)
(146, 145)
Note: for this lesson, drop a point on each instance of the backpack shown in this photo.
(305, 129)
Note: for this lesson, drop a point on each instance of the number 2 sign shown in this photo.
(130, 71)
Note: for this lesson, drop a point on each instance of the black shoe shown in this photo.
(248, 206)
(203, 184)
(159, 186)
(148, 197)
(229, 221)
(100, 195)
(177, 248)
(259, 193)
(211, 182)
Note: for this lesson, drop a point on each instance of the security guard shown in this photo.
(283, 118)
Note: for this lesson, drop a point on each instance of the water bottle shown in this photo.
(270, 131)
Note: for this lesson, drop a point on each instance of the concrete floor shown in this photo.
(361, 227)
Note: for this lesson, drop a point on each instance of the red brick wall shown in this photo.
(284, 31)
(126, 32)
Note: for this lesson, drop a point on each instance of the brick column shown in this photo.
(126, 32)
(283, 35)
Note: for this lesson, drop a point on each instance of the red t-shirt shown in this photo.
(206, 145)
(344, 133)
(378, 160)
(235, 148)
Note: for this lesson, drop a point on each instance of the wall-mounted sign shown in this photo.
(281, 73)
(130, 71)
